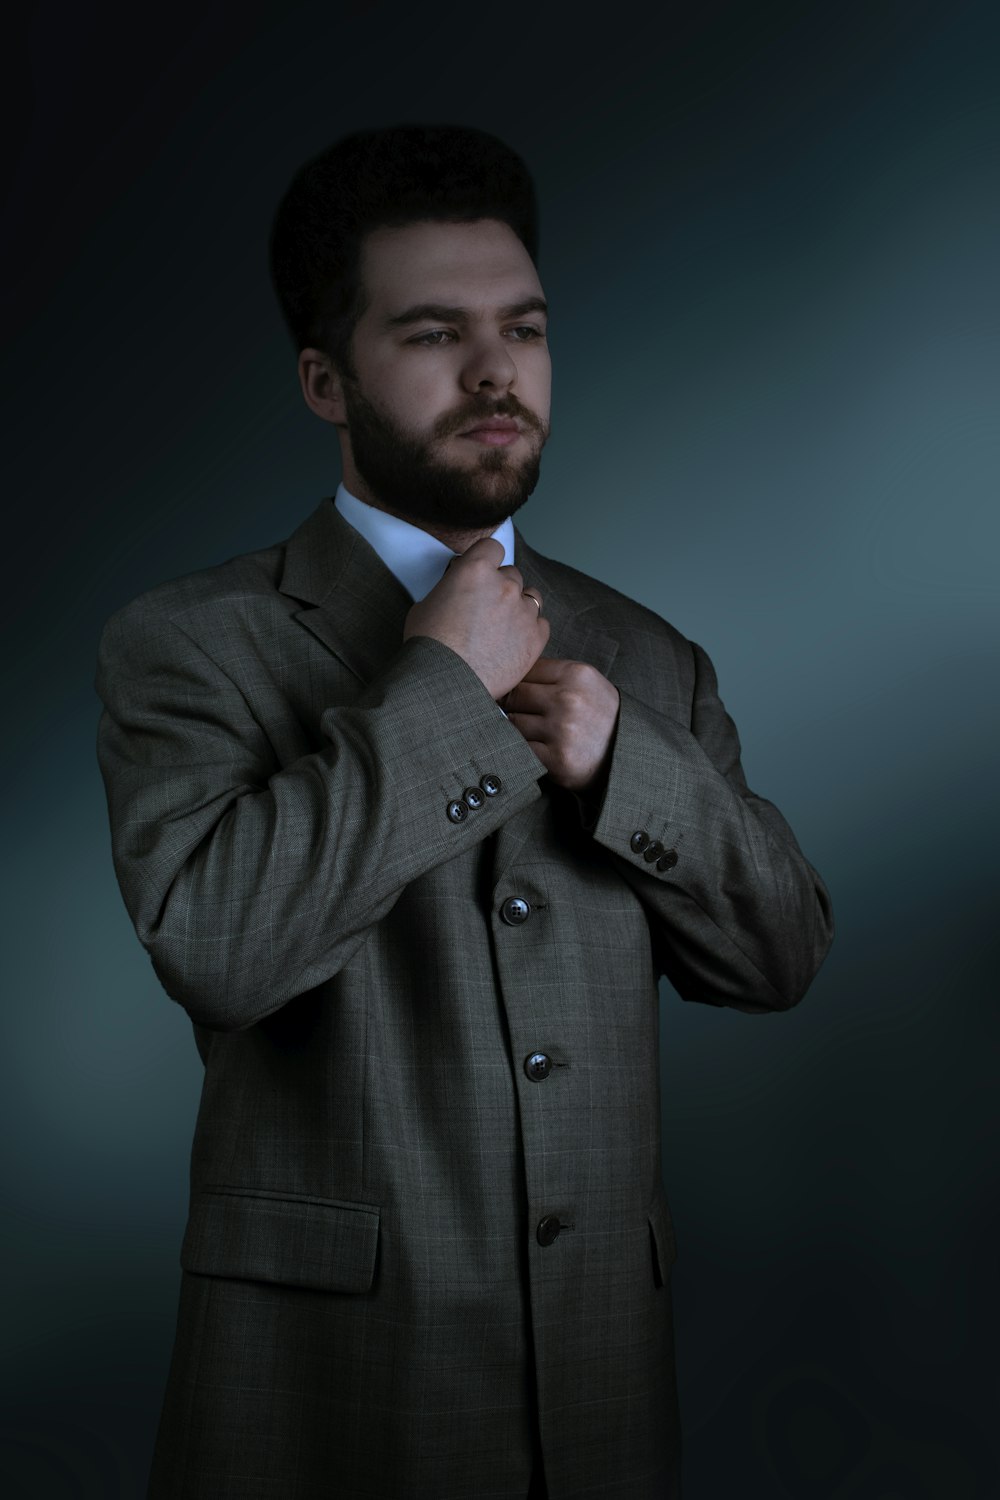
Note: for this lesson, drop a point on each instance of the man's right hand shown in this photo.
(480, 610)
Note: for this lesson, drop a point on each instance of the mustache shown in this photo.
(479, 411)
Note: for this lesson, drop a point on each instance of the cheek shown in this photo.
(415, 391)
(535, 379)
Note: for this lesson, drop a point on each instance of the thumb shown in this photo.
(486, 549)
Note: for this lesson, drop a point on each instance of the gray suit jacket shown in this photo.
(411, 1255)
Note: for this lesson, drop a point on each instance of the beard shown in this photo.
(404, 476)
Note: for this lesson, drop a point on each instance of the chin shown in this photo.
(459, 495)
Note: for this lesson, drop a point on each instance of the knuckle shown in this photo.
(574, 709)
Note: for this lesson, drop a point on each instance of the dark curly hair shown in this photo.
(378, 179)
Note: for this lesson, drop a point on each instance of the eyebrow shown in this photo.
(438, 312)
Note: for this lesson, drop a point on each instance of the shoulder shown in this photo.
(205, 604)
(239, 580)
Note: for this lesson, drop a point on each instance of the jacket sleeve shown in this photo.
(249, 882)
(737, 915)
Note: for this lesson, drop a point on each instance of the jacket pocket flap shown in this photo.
(307, 1242)
(662, 1234)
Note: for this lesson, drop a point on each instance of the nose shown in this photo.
(489, 366)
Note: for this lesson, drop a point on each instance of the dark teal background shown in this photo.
(770, 240)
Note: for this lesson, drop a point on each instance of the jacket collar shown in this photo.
(356, 606)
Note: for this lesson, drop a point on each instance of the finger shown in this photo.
(529, 697)
(532, 726)
(487, 549)
(543, 752)
(509, 571)
(550, 669)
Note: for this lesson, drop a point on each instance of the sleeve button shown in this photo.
(473, 798)
(652, 851)
(490, 784)
(638, 841)
(667, 860)
(457, 811)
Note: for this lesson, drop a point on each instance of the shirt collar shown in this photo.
(416, 558)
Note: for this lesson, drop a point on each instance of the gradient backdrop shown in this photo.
(771, 243)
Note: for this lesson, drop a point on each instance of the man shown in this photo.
(411, 820)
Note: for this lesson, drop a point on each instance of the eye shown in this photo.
(433, 338)
(525, 332)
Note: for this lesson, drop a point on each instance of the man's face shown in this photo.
(448, 406)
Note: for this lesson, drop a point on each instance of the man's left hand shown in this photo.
(567, 712)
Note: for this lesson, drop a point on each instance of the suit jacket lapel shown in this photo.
(573, 636)
(351, 601)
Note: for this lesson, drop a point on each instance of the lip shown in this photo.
(494, 430)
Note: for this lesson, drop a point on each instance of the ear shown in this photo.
(322, 386)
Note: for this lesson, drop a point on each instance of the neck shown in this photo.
(458, 538)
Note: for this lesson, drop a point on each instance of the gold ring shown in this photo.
(526, 595)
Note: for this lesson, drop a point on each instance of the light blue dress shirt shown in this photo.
(416, 558)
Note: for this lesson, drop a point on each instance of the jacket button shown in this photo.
(537, 1066)
(548, 1230)
(638, 841)
(667, 860)
(490, 785)
(457, 811)
(652, 851)
(515, 910)
(473, 798)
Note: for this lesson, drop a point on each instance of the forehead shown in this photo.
(475, 264)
